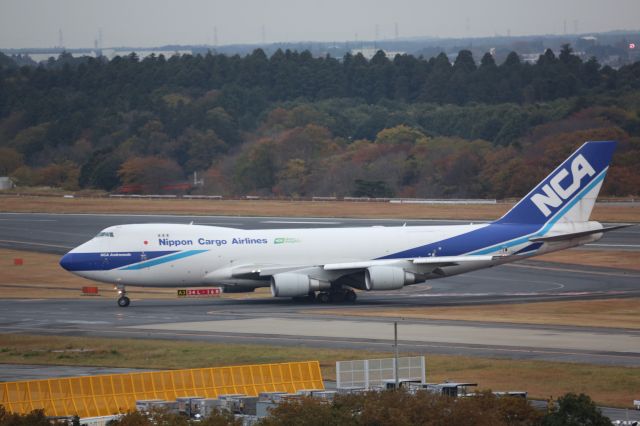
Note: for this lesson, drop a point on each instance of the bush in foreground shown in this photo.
(575, 410)
(376, 409)
(402, 408)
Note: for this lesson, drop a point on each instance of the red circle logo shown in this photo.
(146, 242)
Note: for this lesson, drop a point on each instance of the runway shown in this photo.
(282, 322)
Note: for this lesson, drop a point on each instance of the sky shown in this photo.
(146, 23)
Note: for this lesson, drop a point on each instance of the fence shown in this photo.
(103, 395)
(374, 373)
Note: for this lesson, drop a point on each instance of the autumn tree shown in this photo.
(292, 178)
(403, 408)
(400, 135)
(63, 175)
(10, 160)
(151, 173)
(309, 412)
(34, 418)
(256, 168)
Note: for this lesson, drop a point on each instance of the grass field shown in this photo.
(12, 203)
(615, 313)
(614, 386)
(621, 259)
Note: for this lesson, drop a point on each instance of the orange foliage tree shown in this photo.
(151, 173)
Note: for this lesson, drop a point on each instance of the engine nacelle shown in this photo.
(379, 278)
(290, 284)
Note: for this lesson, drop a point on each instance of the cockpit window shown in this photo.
(104, 234)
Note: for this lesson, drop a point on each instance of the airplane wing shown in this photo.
(572, 235)
(253, 271)
(431, 260)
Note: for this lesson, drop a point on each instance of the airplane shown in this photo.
(327, 264)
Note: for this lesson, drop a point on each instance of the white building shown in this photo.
(6, 183)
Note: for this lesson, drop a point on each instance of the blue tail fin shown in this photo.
(569, 192)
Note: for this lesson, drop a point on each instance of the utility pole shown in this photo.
(376, 32)
(395, 344)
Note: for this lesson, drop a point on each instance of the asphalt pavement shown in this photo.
(287, 323)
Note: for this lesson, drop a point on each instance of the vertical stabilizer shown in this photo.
(569, 192)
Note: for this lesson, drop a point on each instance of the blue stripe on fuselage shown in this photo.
(490, 235)
(529, 248)
(106, 261)
(170, 258)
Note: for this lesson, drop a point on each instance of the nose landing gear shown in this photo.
(123, 300)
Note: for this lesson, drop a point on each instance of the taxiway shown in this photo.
(282, 322)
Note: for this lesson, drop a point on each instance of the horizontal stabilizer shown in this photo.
(572, 235)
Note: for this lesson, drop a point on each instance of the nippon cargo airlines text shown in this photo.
(209, 242)
(331, 264)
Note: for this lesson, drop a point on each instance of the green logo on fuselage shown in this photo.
(285, 240)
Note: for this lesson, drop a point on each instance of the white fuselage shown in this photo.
(206, 255)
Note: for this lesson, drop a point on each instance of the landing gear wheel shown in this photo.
(123, 301)
(324, 297)
(350, 296)
(310, 298)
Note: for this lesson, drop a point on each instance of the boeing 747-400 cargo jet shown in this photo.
(330, 263)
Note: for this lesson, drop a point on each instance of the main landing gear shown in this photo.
(338, 295)
(123, 300)
(335, 295)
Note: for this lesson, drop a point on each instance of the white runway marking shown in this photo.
(614, 245)
(576, 271)
(35, 244)
(218, 223)
(455, 334)
(299, 222)
(31, 220)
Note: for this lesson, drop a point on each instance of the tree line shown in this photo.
(376, 408)
(297, 125)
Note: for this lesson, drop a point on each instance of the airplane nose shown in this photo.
(67, 261)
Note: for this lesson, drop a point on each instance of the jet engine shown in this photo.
(380, 278)
(291, 284)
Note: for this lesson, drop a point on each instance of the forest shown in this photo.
(295, 125)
